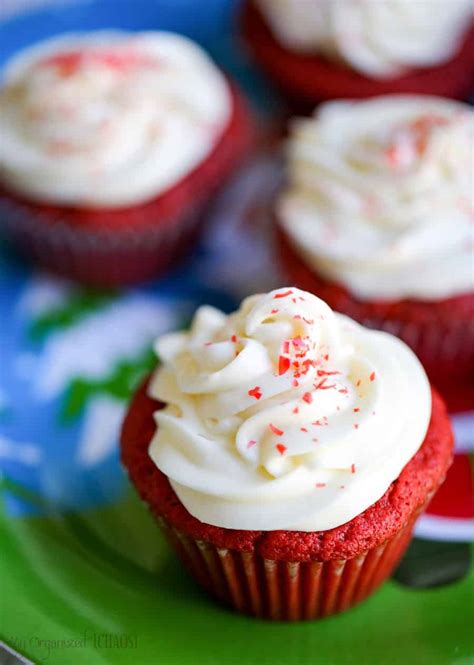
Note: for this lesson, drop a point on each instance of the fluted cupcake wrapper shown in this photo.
(286, 590)
(105, 258)
(446, 351)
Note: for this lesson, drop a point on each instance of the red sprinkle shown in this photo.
(295, 383)
(275, 430)
(372, 376)
(282, 295)
(318, 485)
(356, 410)
(274, 311)
(308, 398)
(283, 365)
(322, 385)
(303, 429)
(281, 448)
(255, 392)
(393, 155)
(251, 443)
(356, 426)
(233, 338)
(353, 468)
(296, 410)
(321, 372)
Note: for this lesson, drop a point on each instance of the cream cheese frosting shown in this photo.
(284, 414)
(108, 119)
(377, 38)
(380, 196)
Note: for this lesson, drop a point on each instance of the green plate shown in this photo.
(102, 587)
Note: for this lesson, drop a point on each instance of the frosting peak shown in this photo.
(284, 415)
(108, 119)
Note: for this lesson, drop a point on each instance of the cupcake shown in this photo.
(286, 452)
(377, 219)
(112, 145)
(330, 49)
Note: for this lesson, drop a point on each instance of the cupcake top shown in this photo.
(377, 39)
(380, 198)
(285, 415)
(108, 119)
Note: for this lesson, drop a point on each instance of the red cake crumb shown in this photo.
(255, 392)
(276, 431)
(308, 79)
(283, 365)
(419, 479)
(283, 294)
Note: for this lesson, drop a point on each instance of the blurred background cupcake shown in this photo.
(360, 48)
(112, 144)
(377, 219)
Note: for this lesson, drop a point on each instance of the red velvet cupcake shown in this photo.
(286, 452)
(329, 50)
(376, 219)
(112, 145)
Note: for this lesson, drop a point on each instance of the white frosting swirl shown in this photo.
(378, 38)
(285, 415)
(380, 196)
(108, 119)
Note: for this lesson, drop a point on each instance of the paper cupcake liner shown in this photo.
(446, 351)
(286, 590)
(105, 258)
(124, 246)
